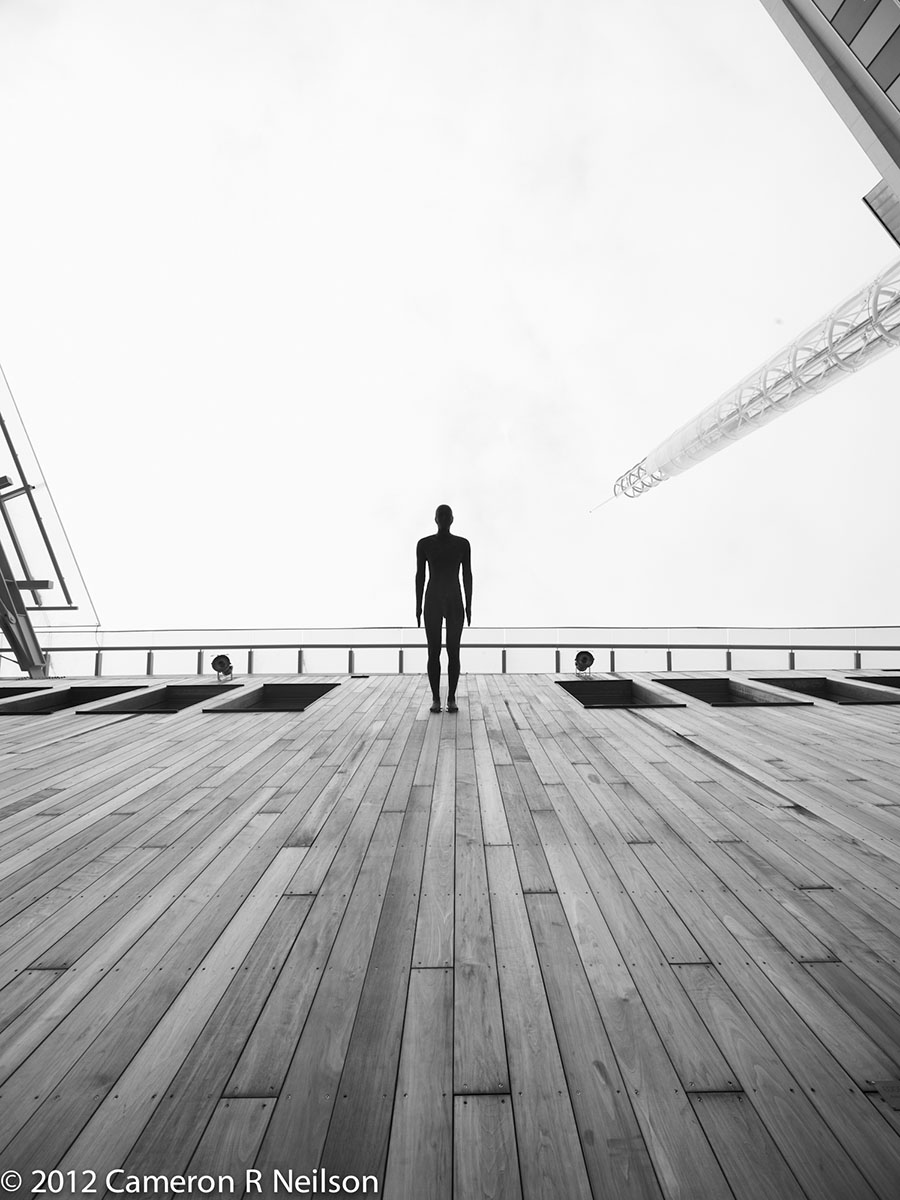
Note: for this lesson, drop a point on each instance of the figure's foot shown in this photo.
(436, 706)
(451, 705)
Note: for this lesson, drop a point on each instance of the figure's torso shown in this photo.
(444, 555)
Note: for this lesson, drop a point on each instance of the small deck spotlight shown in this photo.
(584, 660)
(221, 664)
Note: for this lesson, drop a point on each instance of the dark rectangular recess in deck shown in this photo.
(726, 693)
(55, 699)
(169, 699)
(838, 691)
(276, 697)
(891, 681)
(614, 693)
(6, 693)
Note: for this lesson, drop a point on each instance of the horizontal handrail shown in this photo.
(727, 648)
(466, 645)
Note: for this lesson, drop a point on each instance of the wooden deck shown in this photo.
(525, 950)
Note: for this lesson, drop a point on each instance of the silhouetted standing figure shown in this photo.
(445, 554)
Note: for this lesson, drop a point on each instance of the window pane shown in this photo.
(851, 17)
(876, 31)
(885, 67)
(828, 7)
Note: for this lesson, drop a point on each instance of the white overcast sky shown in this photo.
(281, 276)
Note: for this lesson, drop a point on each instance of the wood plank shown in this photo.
(176, 1124)
(434, 926)
(831, 1090)
(18, 995)
(823, 1168)
(880, 1020)
(230, 1141)
(484, 1149)
(79, 1008)
(614, 1150)
(264, 1062)
(303, 1109)
(745, 1148)
(550, 1152)
(421, 1144)
(357, 1141)
(115, 1125)
(676, 840)
(479, 1049)
(493, 814)
(530, 859)
(698, 1061)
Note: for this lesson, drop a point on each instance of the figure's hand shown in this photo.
(419, 617)
(469, 615)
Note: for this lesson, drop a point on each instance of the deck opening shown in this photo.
(275, 697)
(838, 691)
(615, 693)
(55, 699)
(891, 681)
(726, 693)
(169, 699)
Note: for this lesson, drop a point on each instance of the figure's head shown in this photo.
(443, 516)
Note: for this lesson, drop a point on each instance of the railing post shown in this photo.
(98, 663)
(400, 661)
(199, 662)
(300, 661)
(857, 660)
(350, 662)
(668, 660)
(503, 660)
(727, 660)
(612, 660)
(791, 660)
(149, 662)
(250, 662)
(558, 663)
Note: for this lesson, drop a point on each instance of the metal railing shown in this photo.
(604, 650)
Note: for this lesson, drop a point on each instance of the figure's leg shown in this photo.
(454, 633)
(433, 623)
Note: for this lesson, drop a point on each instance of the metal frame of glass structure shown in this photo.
(35, 555)
(858, 331)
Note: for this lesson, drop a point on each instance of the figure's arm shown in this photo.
(467, 579)
(420, 579)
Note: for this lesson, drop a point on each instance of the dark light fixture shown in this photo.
(221, 664)
(584, 660)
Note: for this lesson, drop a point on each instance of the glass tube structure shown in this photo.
(858, 331)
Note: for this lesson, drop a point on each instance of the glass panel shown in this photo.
(698, 660)
(758, 660)
(68, 666)
(823, 660)
(541, 661)
(638, 660)
(885, 66)
(474, 662)
(881, 659)
(166, 662)
(127, 662)
(265, 662)
(377, 662)
(851, 17)
(415, 662)
(876, 31)
(324, 662)
(828, 7)
(25, 546)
